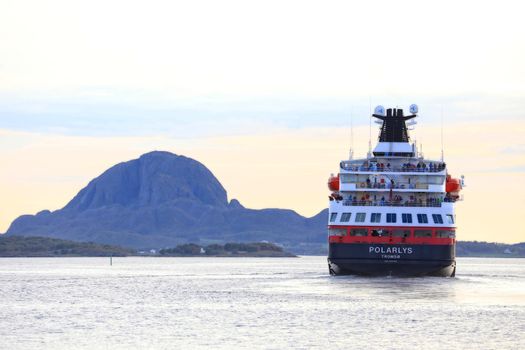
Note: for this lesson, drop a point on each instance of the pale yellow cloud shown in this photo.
(284, 169)
(237, 47)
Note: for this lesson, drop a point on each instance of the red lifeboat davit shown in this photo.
(333, 183)
(453, 185)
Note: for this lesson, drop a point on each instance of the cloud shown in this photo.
(514, 149)
(129, 112)
(505, 170)
(200, 68)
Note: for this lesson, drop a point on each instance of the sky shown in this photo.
(264, 93)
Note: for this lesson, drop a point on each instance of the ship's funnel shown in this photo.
(393, 139)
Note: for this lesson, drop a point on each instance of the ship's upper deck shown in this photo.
(414, 166)
(395, 184)
(395, 174)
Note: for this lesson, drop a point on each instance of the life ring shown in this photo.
(363, 185)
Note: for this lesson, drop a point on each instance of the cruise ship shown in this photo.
(392, 213)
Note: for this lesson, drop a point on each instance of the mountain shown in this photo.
(162, 200)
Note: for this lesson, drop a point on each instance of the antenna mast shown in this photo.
(369, 155)
(442, 144)
(351, 154)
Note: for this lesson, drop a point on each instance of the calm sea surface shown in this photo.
(254, 303)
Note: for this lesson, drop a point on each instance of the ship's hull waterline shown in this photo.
(391, 260)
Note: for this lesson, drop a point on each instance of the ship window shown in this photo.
(422, 218)
(346, 217)
(333, 216)
(435, 180)
(337, 232)
(359, 232)
(391, 217)
(376, 217)
(407, 218)
(401, 233)
(360, 217)
(422, 233)
(445, 234)
(381, 232)
(438, 219)
(348, 178)
(450, 219)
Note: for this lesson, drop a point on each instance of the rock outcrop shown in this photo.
(160, 200)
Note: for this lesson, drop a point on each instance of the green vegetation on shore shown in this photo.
(20, 246)
(490, 250)
(229, 249)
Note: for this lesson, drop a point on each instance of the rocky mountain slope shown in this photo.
(161, 200)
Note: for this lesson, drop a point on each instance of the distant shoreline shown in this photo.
(44, 247)
(34, 247)
(212, 256)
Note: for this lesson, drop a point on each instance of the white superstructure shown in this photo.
(394, 186)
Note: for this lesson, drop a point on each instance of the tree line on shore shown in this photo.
(228, 249)
(19, 246)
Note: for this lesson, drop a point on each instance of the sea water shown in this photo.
(255, 303)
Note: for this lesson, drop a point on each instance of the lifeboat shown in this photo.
(333, 183)
(453, 185)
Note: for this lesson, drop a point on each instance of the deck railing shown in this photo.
(388, 186)
(348, 203)
(436, 168)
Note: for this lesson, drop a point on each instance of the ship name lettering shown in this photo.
(390, 250)
(391, 257)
